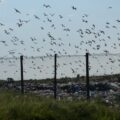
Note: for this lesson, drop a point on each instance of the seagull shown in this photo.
(6, 32)
(16, 10)
(11, 29)
(60, 16)
(1, 24)
(118, 20)
(110, 7)
(36, 17)
(49, 20)
(74, 8)
(19, 24)
(46, 6)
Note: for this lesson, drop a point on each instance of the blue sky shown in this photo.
(98, 12)
(93, 26)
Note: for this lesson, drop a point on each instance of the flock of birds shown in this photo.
(67, 66)
(73, 64)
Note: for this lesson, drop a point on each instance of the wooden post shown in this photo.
(22, 82)
(55, 76)
(87, 76)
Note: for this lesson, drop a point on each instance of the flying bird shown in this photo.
(1, 24)
(16, 10)
(74, 8)
(46, 6)
(36, 17)
(110, 7)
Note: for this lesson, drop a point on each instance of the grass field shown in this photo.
(14, 106)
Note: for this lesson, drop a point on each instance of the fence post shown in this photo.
(87, 76)
(55, 76)
(22, 82)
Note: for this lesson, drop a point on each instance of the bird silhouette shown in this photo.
(74, 8)
(17, 11)
(46, 6)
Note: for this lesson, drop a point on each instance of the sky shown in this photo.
(66, 27)
(67, 37)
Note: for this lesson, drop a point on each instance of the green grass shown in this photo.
(29, 107)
